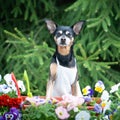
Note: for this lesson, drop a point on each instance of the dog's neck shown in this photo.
(66, 58)
(64, 50)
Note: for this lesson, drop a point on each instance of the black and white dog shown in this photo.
(63, 69)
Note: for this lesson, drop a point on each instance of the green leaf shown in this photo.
(82, 50)
(104, 25)
(107, 18)
(93, 24)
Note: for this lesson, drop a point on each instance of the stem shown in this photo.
(117, 95)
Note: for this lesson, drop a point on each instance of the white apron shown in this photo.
(65, 77)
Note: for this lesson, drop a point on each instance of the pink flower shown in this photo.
(78, 101)
(70, 101)
(67, 98)
(70, 107)
(62, 113)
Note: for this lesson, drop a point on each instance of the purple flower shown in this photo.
(99, 86)
(91, 92)
(1, 118)
(13, 114)
(97, 108)
(36, 100)
(87, 98)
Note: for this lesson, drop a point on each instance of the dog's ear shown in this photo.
(50, 25)
(77, 27)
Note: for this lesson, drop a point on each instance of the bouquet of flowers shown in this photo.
(70, 107)
(10, 97)
(96, 104)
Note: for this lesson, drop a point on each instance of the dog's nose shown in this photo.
(63, 40)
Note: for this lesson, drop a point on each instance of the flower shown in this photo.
(114, 88)
(99, 86)
(6, 100)
(70, 107)
(83, 115)
(97, 108)
(67, 98)
(62, 113)
(36, 100)
(103, 104)
(86, 90)
(105, 96)
(9, 81)
(5, 89)
(107, 106)
(87, 98)
(13, 114)
(75, 109)
(21, 85)
(70, 101)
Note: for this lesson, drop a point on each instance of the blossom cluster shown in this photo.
(79, 108)
(9, 86)
(67, 106)
(13, 114)
(6, 100)
(83, 106)
(103, 94)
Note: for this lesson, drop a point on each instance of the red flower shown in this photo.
(5, 100)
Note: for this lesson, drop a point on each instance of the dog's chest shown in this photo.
(65, 77)
(65, 74)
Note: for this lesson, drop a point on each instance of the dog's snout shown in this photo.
(63, 40)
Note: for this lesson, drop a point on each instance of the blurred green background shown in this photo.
(25, 43)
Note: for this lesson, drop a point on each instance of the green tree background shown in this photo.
(25, 43)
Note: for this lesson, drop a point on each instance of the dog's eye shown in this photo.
(59, 33)
(68, 33)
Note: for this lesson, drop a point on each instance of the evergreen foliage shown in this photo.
(26, 43)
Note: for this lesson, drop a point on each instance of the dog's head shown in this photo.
(64, 35)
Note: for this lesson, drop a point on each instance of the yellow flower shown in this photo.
(99, 89)
(103, 104)
(84, 90)
(99, 86)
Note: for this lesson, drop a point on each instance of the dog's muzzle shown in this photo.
(63, 41)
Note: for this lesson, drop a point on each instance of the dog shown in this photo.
(63, 77)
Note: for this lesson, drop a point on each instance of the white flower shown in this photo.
(2, 87)
(114, 88)
(83, 115)
(86, 90)
(36, 100)
(75, 109)
(5, 89)
(105, 96)
(106, 117)
(21, 85)
(9, 81)
(107, 107)
(100, 84)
